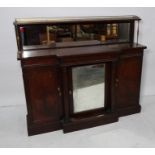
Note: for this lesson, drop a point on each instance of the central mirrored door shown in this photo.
(88, 87)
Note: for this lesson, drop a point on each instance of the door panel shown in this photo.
(42, 85)
(90, 89)
(128, 81)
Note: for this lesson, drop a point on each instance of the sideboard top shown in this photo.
(25, 21)
(76, 51)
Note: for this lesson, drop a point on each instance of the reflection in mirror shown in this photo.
(61, 34)
(124, 31)
(88, 87)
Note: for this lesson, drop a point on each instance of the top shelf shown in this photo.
(28, 21)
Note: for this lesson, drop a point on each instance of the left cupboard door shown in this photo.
(43, 96)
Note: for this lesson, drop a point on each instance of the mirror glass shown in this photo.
(61, 35)
(88, 87)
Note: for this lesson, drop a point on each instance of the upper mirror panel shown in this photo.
(38, 36)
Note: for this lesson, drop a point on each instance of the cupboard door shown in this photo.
(43, 94)
(88, 97)
(128, 84)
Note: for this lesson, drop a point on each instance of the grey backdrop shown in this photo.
(11, 84)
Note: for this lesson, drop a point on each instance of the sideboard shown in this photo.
(79, 72)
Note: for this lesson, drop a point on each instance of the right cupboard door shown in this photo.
(127, 84)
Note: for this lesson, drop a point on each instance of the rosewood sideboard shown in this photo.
(79, 72)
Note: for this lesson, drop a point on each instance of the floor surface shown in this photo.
(137, 130)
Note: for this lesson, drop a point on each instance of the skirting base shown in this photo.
(128, 110)
(79, 124)
(34, 129)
